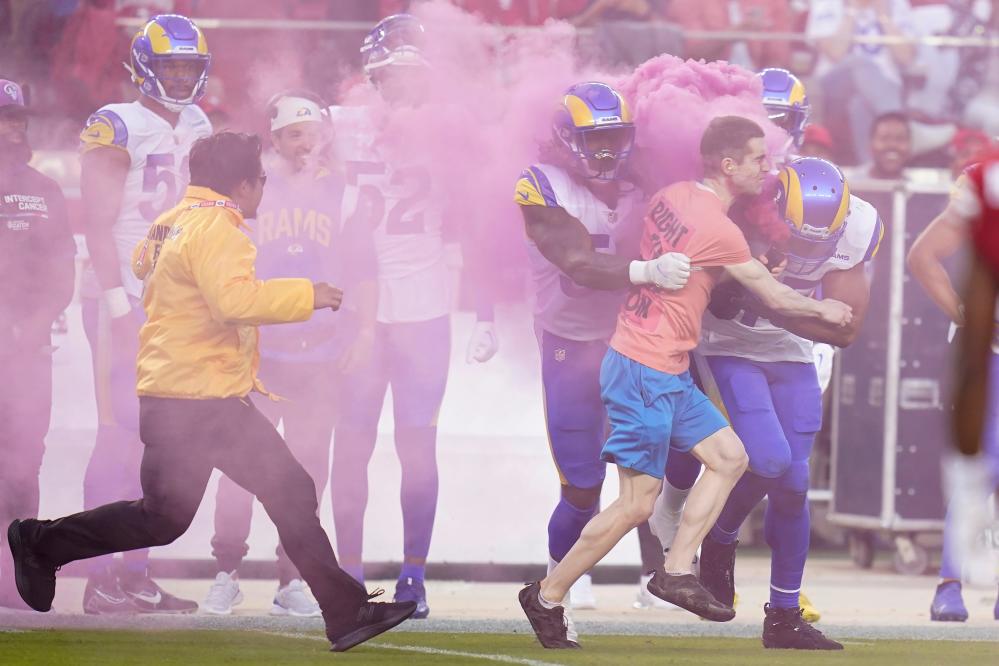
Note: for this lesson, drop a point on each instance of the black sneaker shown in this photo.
(103, 595)
(687, 592)
(717, 572)
(149, 597)
(784, 628)
(34, 578)
(371, 619)
(551, 625)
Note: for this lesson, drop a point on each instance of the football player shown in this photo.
(133, 167)
(582, 214)
(947, 234)
(761, 366)
(411, 339)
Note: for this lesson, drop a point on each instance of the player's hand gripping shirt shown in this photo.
(751, 335)
(405, 210)
(656, 327)
(561, 306)
(158, 174)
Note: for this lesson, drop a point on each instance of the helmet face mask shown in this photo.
(814, 200)
(170, 61)
(593, 126)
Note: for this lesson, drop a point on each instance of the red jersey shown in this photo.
(984, 178)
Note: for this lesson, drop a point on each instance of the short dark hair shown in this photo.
(224, 160)
(891, 117)
(727, 136)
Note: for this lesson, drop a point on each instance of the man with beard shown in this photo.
(891, 148)
(36, 271)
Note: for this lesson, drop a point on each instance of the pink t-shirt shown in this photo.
(657, 327)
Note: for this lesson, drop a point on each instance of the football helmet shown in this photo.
(396, 40)
(162, 43)
(785, 100)
(593, 125)
(814, 199)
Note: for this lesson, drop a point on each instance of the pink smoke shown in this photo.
(493, 94)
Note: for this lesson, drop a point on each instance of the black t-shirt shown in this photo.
(36, 251)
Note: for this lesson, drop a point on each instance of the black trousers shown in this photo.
(184, 440)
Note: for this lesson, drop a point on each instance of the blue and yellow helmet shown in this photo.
(785, 100)
(814, 200)
(396, 40)
(594, 125)
(164, 39)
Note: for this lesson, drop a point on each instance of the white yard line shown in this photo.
(501, 658)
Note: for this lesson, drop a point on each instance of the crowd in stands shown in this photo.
(69, 52)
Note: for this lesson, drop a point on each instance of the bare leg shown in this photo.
(632, 507)
(725, 460)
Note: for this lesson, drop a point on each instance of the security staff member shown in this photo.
(36, 284)
(196, 367)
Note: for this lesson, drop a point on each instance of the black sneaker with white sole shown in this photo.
(784, 628)
(550, 625)
(34, 578)
(687, 592)
(371, 619)
(149, 597)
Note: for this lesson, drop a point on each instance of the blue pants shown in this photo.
(113, 471)
(776, 409)
(413, 359)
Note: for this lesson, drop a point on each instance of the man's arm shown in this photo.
(851, 287)
(780, 298)
(564, 241)
(102, 185)
(974, 349)
(940, 240)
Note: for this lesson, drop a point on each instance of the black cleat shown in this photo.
(371, 619)
(551, 625)
(717, 572)
(148, 597)
(784, 628)
(103, 595)
(687, 592)
(34, 578)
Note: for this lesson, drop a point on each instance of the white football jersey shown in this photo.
(749, 335)
(561, 306)
(405, 210)
(158, 174)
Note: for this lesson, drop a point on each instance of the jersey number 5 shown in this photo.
(406, 215)
(158, 172)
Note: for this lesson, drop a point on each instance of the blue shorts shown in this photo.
(651, 412)
(574, 413)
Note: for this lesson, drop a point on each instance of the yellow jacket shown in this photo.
(203, 302)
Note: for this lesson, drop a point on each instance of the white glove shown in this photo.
(669, 271)
(483, 344)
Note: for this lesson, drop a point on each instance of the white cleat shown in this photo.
(645, 600)
(581, 594)
(223, 595)
(294, 599)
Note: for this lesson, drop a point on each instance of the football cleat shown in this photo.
(413, 590)
(718, 570)
(785, 629)
(687, 592)
(809, 613)
(948, 606)
(645, 599)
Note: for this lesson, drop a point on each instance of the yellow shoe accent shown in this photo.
(809, 613)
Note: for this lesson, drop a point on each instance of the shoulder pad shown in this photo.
(534, 189)
(104, 129)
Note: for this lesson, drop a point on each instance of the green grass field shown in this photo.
(193, 648)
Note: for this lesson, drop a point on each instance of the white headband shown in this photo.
(291, 110)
